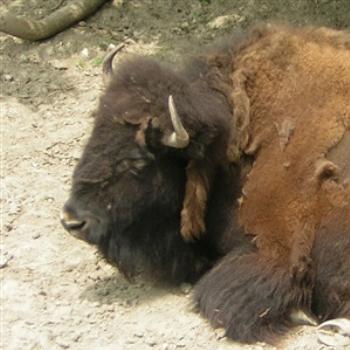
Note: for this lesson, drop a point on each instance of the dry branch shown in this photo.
(54, 23)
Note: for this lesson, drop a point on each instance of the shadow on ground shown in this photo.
(116, 288)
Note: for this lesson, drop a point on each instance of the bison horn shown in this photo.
(107, 67)
(179, 138)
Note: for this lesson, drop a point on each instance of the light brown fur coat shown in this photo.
(298, 85)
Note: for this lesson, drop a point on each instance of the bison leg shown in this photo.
(331, 255)
(301, 264)
(252, 298)
(195, 201)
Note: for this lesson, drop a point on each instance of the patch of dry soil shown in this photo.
(55, 293)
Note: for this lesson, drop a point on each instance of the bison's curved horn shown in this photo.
(107, 67)
(179, 138)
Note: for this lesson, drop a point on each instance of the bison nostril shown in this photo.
(71, 223)
(74, 225)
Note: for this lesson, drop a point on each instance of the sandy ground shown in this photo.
(55, 292)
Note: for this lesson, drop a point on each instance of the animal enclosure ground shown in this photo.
(55, 292)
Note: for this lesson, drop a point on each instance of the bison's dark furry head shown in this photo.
(128, 187)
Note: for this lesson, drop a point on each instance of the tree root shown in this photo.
(54, 23)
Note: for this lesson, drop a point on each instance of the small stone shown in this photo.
(181, 344)
(4, 259)
(139, 334)
(76, 337)
(59, 65)
(64, 344)
(85, 53)
(36, 235)
(111, 47)
(8, 227)
(220, 333)
(151, 342)
(223, 21)
(185, 26)
(8, 77)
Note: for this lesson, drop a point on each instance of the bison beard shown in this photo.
(276, 242)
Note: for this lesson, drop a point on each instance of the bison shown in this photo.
(251, 140)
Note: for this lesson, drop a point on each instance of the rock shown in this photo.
(111, 47)
(36, 235)
(59, 65)
(151, 342)
(225, 21)
(219, 22)
(220, 333)
(117, 3)
(85, 53)
(185, 26)
(4, 259)
(64, 344)
(8, 77)
(8, 227)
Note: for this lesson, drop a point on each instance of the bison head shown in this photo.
(128, 187)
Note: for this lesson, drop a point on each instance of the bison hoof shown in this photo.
(334, 332)
(303, 318)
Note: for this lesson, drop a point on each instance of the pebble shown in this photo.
(4, 259)
(151, 342)
(139, 334)
(64, 344)
(59, 65)
(85, 53)
(220, 333)
(224, 21)
(8, 77)
(36, 235)
(111, 47)
(8, 227)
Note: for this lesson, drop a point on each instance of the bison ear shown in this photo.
(157, 134)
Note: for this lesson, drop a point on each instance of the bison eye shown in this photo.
(139, 164)
(123, 166)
